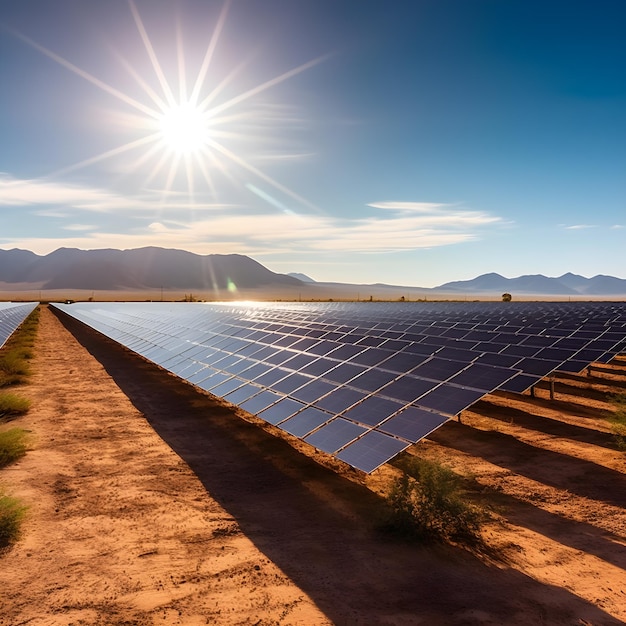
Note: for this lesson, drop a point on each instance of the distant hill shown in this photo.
(538, 284)
(303, 277)
(152, 268)
(142, 268)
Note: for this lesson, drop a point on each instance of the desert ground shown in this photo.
(310, 292)
(152, 503)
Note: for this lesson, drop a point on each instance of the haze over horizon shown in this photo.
(434, 142)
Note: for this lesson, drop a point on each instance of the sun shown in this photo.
(188, 133)
(184, 129)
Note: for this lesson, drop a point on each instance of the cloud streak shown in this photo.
(48, 193)
(392, 227)
(419, 207)
(580, 226)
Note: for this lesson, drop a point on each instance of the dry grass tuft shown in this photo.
(13, 445)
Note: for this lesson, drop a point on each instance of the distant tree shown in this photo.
(506, 297)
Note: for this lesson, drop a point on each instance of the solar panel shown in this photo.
(305, 422)
(361, 381)
(12, 314)
(259, 402)
(280, 411)
(449, 399)
(335, 435)
(372, 450)
(373, 410)
(413, 424)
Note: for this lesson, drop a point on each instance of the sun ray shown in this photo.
(229, 119)
(131, 145)
(189, 172)
(206, 62)
(157, 168)
(170, 177)
(180, 53)
(268, 179)
(141, 82)
(207, 177)
(146, 156)
(194, 131)
(167, 91)
(89, 78)
(266, 85)
(222, 84)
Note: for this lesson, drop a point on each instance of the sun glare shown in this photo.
(184, 129)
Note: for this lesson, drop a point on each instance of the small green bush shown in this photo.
(13, 445)
(12, 513)
(12, 404)
(428, 502)
(14, 362)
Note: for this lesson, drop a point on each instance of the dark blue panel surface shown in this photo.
(450, 400)
(372, 380)
(260, 401)
(407, 388)
(413, 423)
(399, 368)
(372, 450)
(340, 399)
(373, 410)
(335, 435)
(485, 377)
(305, 422)
(439, 369)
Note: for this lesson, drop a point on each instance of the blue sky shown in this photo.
(410, 143)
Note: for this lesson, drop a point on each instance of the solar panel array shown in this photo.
(12, 314)
(361, 381)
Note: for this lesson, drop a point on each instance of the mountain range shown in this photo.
(155, 268)
(567, 285)
(142, 268)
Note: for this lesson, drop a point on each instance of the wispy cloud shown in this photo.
(274, 232)
(52, 213)
(16, 192)
(579, 226)
(51, 195)
(420, 207)
(387, 226)
(79, 227)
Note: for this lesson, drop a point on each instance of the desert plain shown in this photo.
(153, 503)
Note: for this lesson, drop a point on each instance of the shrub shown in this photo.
(428, 502)
(14, 363)
(13, 444)
(12, 404)
(11, 515)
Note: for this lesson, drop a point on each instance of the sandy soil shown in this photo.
(151, 503)
(268, 293)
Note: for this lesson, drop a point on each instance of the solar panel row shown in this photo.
(12, 314)
(361, 381)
